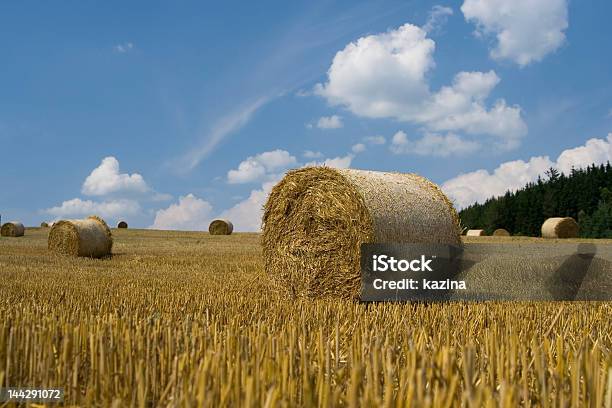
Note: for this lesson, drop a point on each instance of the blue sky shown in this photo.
(170, 114)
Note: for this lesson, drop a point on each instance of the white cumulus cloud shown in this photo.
(385, 76)
(339, 162)
(479, 185)
(378, 75)
(268, 168)
(375, 140)
(596, 151)
(113, 209)
(432, 145)
(309, 154)
(358, 148)
(124, 47)
(246, 215)
(106, 179)
(330, 122)
(256, 168)
(119, 195)
(190, 213)
(525, 30)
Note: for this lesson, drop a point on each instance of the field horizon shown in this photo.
(184, 318)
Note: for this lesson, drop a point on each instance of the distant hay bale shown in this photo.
(12, 229)
(316, 219)
(220, 227)
(44, 225)
(90, 237)
(558, 227)
(500, 232)
(122, 224)
(476, 233)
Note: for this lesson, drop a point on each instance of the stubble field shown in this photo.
(185, 319)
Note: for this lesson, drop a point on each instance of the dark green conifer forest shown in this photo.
(584, 194)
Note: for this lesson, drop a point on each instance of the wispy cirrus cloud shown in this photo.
(290, 65)
(222, 128)
(437, 18)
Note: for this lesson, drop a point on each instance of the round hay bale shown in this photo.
(90, 237)
(44, 225)
(12, 229)
(558, 227)
(122, 224)
(220, 227)
(316, 219)
(501, 232)
(475, 233)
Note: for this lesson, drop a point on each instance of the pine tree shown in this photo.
(599, 224)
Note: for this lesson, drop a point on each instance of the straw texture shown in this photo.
(90, 237)
(316, 219)
(500, 232)
(558, 227)
(122, 224)
(12, 229)
(476, 233)
(220, 227)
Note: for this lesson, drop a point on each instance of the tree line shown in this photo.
(584, 194)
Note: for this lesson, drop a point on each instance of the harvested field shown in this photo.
(183, 318)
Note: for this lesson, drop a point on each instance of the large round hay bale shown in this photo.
(122, 224)
(558, 227)
(501, 232)
(220, 227)
(475, 233)
(90, 237)
(316, 219)
(44, 225)
(12, 229)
